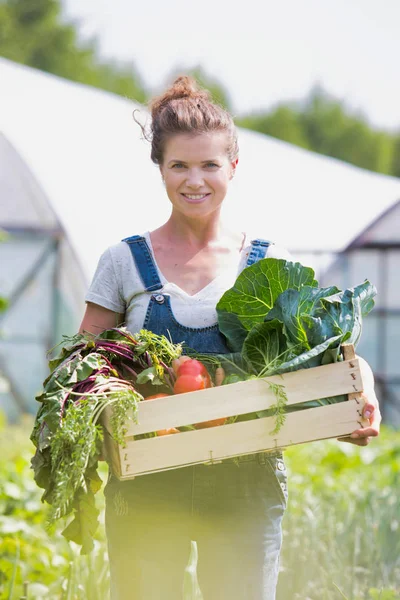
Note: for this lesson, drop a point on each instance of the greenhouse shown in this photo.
(76, 177)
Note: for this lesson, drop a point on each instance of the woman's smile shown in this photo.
(195, 198)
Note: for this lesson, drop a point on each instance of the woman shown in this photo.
(169, 281)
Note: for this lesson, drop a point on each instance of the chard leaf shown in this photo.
(41, 465)
(149, 375)
(256, 289)
(82, 528)
(88, 364)
(71, 371)
(93, 479)
(67, 351)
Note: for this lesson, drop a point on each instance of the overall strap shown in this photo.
(258, 250)
(144, 262)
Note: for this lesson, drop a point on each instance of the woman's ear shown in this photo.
(162, 176)
(233, 166)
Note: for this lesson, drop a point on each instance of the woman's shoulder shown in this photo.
(120, 251)
(113, 255)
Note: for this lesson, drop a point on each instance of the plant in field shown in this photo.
(342, 523)
(191, 587)
(341, 526)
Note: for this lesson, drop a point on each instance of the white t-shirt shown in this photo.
(117, 285)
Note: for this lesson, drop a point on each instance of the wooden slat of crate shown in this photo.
(210, 445)
(243, 397)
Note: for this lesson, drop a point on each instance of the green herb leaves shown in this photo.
(90, 373)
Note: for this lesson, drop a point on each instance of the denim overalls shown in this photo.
(232, 509)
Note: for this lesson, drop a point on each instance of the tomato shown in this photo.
(156, 396)
(189, 383)
(177, 362)
(167, 431)
(194, 367)
(212, 423)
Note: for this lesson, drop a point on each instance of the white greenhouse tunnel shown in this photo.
(76, 177)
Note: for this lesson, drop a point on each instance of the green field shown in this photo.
(341, 529)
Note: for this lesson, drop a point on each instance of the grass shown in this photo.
(341, 528)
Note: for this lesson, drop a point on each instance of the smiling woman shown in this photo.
(169, 281)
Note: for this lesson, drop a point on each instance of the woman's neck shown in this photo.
(193, 232)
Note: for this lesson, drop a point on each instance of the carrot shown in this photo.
(219, 375)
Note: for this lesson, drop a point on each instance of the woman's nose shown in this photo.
(195, 179)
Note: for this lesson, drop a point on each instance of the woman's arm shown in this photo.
(96, 319)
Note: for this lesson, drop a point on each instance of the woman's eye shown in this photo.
(177, 166)
(211, 164)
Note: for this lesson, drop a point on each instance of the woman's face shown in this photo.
(196, 172)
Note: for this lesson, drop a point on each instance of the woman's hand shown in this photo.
(371, 412)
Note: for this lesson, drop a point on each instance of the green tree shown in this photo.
(395, 169)
(32, 32)
(332, 130)
(323, 124)
(282, 123)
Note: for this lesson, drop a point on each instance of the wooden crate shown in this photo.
(212, 445)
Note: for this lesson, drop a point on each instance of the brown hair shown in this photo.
(186, 108)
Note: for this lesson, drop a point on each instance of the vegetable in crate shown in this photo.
(90, 373)
(192, 375)
(276, 319)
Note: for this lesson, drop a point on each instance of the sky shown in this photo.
(262, 51)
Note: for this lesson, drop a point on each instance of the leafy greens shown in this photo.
(89, 373)
(276, 319)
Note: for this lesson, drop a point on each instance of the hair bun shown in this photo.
(183, 87)
(186, 108)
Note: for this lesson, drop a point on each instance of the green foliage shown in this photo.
(331, 130)
(191, 588)
(44, 559)
(258, 286)
(279, 320)
(342, 523)
(88, 374)
(395, 168)
(341, 528)
(3, 237)
(3, 304)
(325, 125)
(33, 32)
(282, 122)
